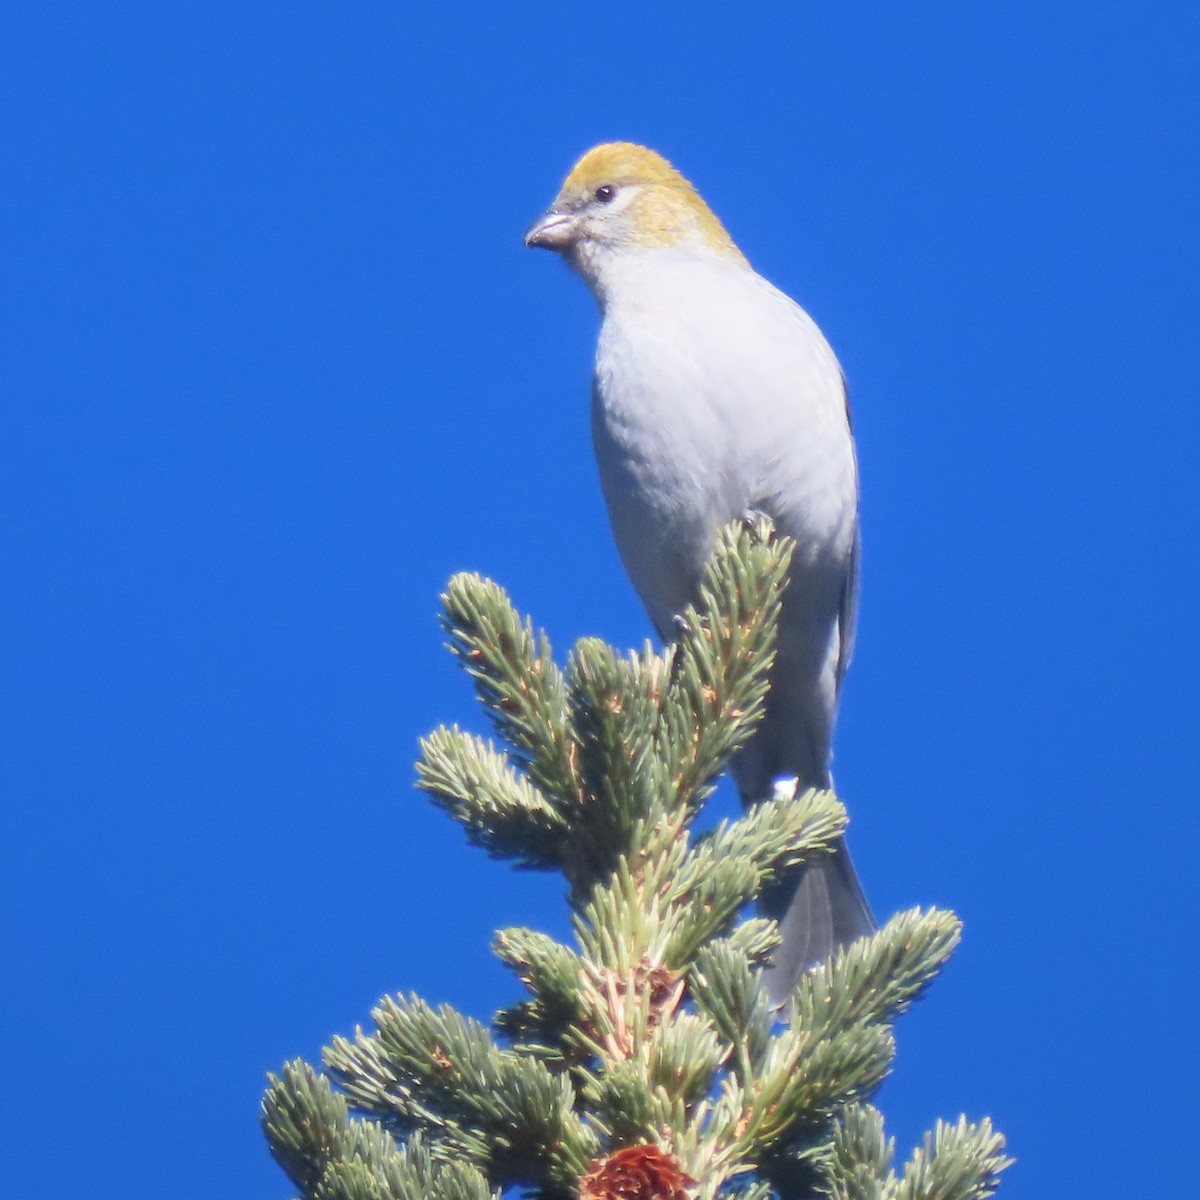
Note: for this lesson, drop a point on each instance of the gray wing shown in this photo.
(848, 603)
(848, 610)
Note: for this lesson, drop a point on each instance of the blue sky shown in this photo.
(274, 364)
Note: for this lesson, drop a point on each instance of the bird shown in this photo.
(716, 397)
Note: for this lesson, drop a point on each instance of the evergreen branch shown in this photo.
(329, 1155)
(548, 968)
(684, 1055)
(956, 1162)
(621, 925)
(725, 989)
(526, 1027)
(875, 979)
(625, 1104)
(760, 1189)
(859, 1166)
(437, 1070)
(723, 656)
(553, 973)
(659, 1088)
(728, 867)
(374, 1085)
(306, 1124)
(805, 1078)
(772, 836)
(615, 704)
(516, 680)
(501, 811)
(647, 1061)
(411, 1176)
(756, 938)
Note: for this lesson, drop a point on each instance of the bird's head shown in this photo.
(622, 197)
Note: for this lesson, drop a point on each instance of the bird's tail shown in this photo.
(819, 907)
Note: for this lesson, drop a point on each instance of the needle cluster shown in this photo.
(643, 1060)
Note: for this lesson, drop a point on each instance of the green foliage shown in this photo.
(330, 1155)
(860, 1161)
(962, 1161)
(653, 1028)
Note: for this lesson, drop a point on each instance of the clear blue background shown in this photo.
(274, 363)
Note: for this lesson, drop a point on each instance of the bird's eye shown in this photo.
(606, 193)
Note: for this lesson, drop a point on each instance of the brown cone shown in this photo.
(636, 1173)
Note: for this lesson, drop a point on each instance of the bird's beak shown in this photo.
(554, 230)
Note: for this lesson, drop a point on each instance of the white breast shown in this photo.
(715, 394)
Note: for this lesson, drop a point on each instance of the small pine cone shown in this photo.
(636, 1173)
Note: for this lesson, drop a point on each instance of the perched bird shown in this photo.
(716, 396)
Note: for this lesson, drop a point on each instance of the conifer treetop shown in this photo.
(644, 1060)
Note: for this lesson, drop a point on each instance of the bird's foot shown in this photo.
(757, 522)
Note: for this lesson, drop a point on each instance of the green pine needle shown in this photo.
(963, 1161)
(877, 978)
(501, 811)
(517, 681)
(648, 1046)
(859, 1166)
